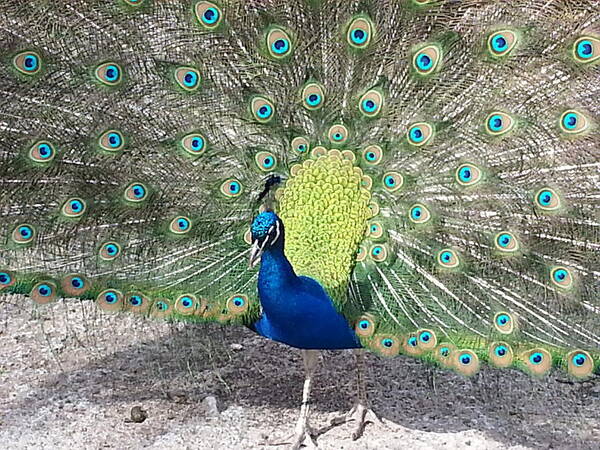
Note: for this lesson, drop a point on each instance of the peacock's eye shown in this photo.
(371, 103)
(419, 214)
(573, 122)
(162, 305)
(504, 323)
(27, 62)
(375, 230)
(506, 242)
(109, 251)
(365, 326)
(338, 134)
(419, 134)
(586, 49)
(42, 152)
(73, 207)
(193, 144)
(547, 199)
(187, 78)
(74, 284)
(387, 345)
(561, 277)
(300, 144)
(6, 279)
(500, 354)
(378, 253)
(23, 234)
(186, 304)
(392, 181)
(313, 96)
(43, 292)
(499, 123)
(265, 161)
(372, 155)
(468, 175)
(359, 33)
(445, 354)
(111, 141)
(110, 300)
(231, 188)
(136, 192)
(427, 60)
(238, 304)
(109, 74)
(279, 43)
(208, 15)
(180, 225)
(262, 109)
(536, 358)
(501, 43)
(448, 258)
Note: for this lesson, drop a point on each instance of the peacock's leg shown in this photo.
(360, 413)
(303, 431)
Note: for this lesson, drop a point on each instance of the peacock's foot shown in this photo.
(359, 414)
(301, 438)
(304, 438)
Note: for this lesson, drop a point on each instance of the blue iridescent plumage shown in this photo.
(296, 310)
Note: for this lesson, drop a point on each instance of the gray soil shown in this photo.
(70, 375)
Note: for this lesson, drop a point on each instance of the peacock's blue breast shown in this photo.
(302, 315)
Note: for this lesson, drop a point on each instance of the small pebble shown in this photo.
(210, 406)
(138, 415)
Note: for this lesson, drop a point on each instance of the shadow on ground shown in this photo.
(71, 358)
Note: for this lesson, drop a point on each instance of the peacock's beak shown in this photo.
(255, 253)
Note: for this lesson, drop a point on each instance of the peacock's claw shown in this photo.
(302, 437)
(359, 414)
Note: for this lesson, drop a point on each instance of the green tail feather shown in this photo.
(135, 146)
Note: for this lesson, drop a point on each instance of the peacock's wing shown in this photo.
(486, 245)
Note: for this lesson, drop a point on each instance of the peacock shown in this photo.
(415, 177)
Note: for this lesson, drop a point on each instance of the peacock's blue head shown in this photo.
(267, 230)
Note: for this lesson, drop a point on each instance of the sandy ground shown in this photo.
(69, 376)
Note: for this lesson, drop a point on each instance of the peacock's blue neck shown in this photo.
(276, 275)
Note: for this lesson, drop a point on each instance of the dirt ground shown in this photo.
(69, 376)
